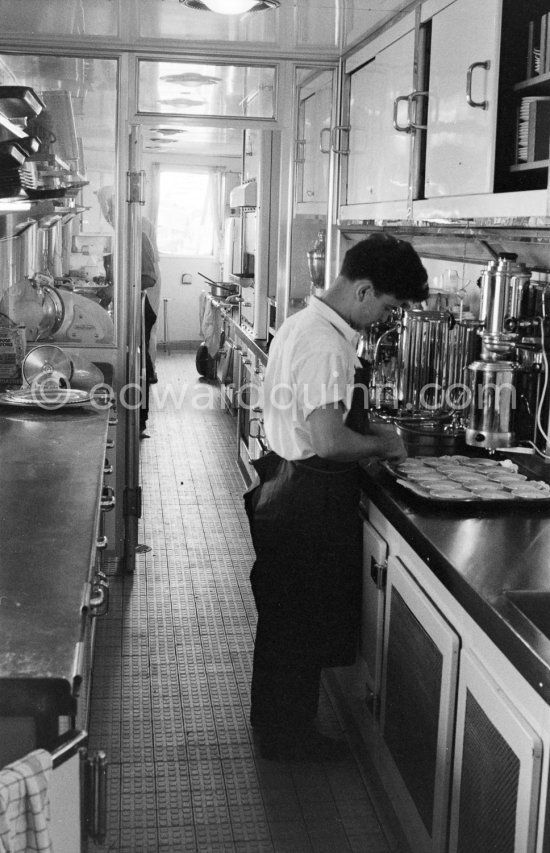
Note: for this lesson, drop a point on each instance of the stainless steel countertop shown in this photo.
(51, 466)
(479, 554)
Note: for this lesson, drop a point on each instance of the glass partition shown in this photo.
(59, 18)
(169, 19)
(184, 88)
(56, 256)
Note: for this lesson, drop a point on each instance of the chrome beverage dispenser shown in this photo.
(505, 384)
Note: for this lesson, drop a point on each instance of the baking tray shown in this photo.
(481, 482)
(47, 400)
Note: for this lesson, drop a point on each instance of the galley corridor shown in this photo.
(170, 690)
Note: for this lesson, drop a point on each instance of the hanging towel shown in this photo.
(25, 804)
(202, 306)
(211, 325)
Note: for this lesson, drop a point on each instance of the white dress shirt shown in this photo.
(312, 361)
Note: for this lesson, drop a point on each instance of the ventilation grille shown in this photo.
(488, 786)
(413, 687)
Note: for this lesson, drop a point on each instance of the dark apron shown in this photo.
(306, 579)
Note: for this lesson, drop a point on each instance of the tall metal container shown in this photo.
(492, 413)
(464, 346)
(422, 360)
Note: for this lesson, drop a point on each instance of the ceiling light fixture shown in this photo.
(231, 7)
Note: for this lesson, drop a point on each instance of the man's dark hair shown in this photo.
(392, 265)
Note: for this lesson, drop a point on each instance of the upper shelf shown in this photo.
(540, 84)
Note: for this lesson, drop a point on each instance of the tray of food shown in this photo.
(463, 479)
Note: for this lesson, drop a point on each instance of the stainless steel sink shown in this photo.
(534, 605)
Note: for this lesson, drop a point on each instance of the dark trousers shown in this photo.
(306, 583)
(286, 670)
(149, 320)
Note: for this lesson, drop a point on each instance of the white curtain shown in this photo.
(190, 211)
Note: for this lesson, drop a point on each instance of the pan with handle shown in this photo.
(220, 289)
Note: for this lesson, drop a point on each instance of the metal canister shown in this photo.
(464, 346)
(492, 410)
(540, 293)
(504, 291)
(520, 294)
(422, 359)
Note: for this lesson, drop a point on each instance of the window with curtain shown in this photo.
(189, 211)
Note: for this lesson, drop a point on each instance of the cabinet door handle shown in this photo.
(336, 138)
(107, 499)
(95, 797)
(98, 600)
(412, 99)
(401, 128)
(482, 105)
(322, 148)
(299, 156)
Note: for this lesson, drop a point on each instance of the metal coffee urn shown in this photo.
(505, 382)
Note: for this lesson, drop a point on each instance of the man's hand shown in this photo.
(331, 439)
(392, 447)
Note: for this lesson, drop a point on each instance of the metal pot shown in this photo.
(50, 238)
(223, 289)
(9, 248)
(220, 289)
(27, 235)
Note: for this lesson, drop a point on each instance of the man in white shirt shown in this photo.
(304, 513)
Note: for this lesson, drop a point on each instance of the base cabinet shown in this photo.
(497, 768)
(418, 705)
(375, 562)
(461, 742)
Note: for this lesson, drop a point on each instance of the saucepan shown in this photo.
(221, 289)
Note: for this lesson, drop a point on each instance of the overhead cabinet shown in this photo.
(462, 99)
(442, 118)
(376, 168)
(315, 123)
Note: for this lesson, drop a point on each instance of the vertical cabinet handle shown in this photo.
(107, 499)
(412, 100)
(401, 128)
(482, 105)
(336, 134)
(95, 773)
(299, 156)
(322, 146)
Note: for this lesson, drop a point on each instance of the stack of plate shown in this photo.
(523, 130)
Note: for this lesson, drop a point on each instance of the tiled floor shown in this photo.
(171, 678)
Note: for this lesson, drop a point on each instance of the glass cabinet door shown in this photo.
(313, 144)
(57, 202)
(314, 167)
